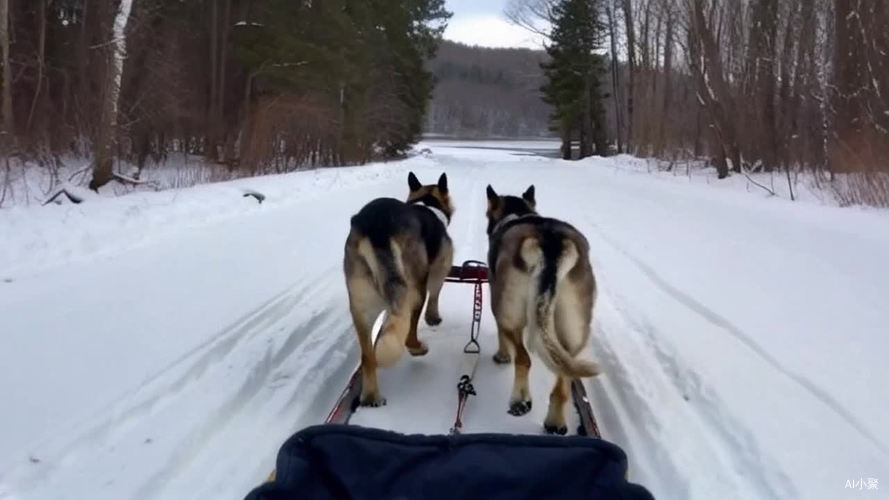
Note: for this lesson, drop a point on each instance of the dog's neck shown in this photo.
(509, 218)
(437, 211)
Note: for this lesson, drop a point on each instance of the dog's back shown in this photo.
(541, 278)
(385, 220)
(557, 287)
(395, 253)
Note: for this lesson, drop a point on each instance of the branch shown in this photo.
(255, 194)
(744, 171)
(524, 13)
(123, 179)
(71, 197)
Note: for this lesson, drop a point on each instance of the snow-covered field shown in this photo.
(163, 345)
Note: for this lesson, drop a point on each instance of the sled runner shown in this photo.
(337, 460)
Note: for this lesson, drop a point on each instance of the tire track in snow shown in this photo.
(745, 339)
(618, 406)
(634, 396)
(162, 388)
(303, 343)
(721, 427)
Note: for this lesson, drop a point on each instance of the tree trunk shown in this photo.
(586, 119)
(566, 142)
(41, 55)
(761, 89)
(644, 74)
(83, 100)
(665, 108)
(631, 66)
(848, 141)
(115, 52)
(584, 136)
(615, 78)
(223, 53)
(803, 88)
(7, 72)
(212, 124)
(246, 156)
(785, 121)
(713, 91)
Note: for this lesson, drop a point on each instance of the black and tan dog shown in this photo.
(396, 252)
(540, 278)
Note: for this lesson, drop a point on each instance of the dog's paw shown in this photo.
(555, 429)
(372, 401)
(501, 358)
(519, 408)
(418, 350)
(433, 319)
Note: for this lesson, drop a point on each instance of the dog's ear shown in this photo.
(528, 196)
(443, 183)
(493, 197)
(413, 182)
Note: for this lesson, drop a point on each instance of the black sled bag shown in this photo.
(349, 462)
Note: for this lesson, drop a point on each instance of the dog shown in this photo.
(397, 252)
(543, 288)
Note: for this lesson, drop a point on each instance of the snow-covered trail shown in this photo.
(129, 375)
(743, 339)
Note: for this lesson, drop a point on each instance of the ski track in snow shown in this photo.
(745, 339)
(698, 395)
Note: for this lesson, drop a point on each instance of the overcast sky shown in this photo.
(481, 22)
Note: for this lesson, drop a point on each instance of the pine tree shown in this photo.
(365, 58)
(574, 75)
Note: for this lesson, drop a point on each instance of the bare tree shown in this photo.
(115, 51)
(7, 70)
(668, 89)
(617, 94)
(41, 57)
(533, 15)
(631, 68)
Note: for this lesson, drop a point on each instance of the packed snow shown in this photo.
(164, 344)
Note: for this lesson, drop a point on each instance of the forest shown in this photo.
(789, 86)
(792, 87)
(254, 85)
(487, 92)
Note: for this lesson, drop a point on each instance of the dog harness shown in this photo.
(509, 218)
(438, 213)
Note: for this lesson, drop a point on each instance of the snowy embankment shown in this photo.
(163, 345)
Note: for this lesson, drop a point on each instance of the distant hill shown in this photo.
(487, 92)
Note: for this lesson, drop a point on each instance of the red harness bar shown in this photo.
(475, 272)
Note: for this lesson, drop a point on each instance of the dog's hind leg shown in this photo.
(438, 271)
(502, 356)
(365, 304)
(520, 400)
(555, 422)
(573, 320)
(395, 333)
(413, 344)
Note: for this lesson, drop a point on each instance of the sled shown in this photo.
(339, 460)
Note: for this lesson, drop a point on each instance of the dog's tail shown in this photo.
(550, 259)
(384, 260)
(385, 263)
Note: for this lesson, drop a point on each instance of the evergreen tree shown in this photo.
(362, 59)
(574, 75)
